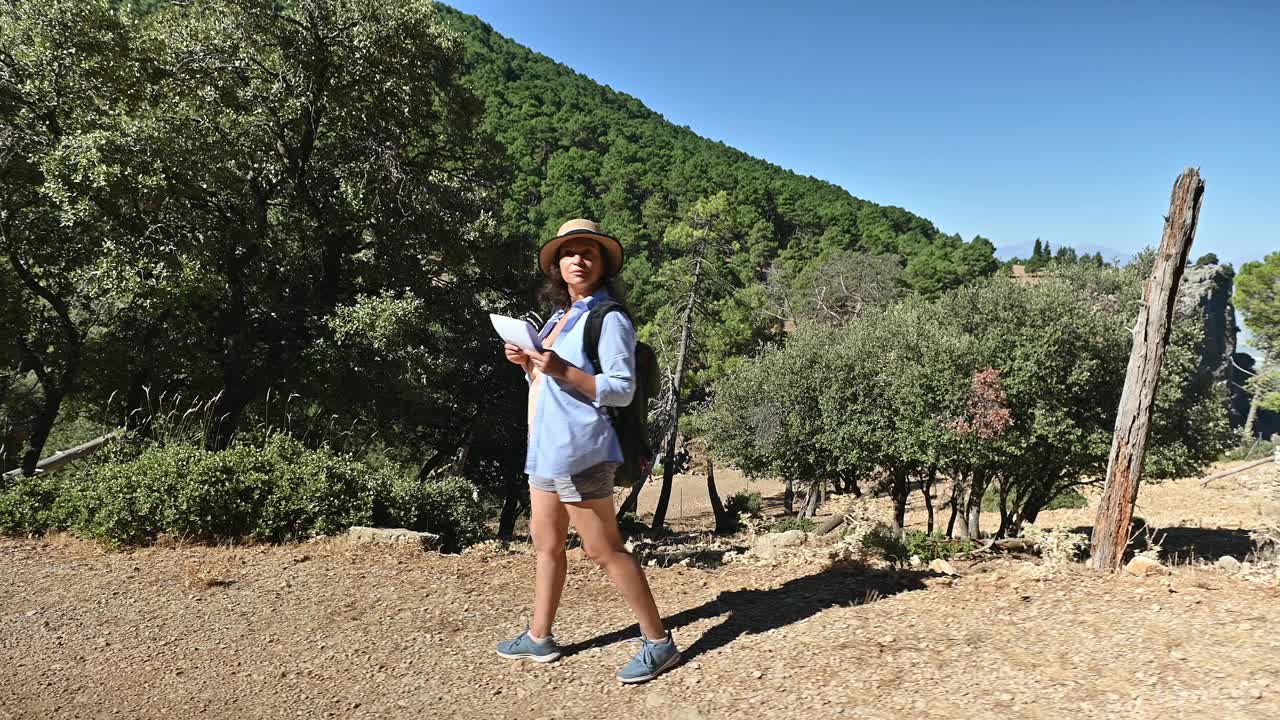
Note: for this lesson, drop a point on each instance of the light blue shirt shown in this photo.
(571, 432)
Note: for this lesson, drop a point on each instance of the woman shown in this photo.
(573, 450)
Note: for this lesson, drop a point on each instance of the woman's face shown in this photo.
(581, 264)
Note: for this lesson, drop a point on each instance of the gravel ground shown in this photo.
(330, 629)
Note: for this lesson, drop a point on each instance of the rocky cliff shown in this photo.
(1206, 293)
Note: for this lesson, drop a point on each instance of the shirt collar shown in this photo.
(600, 295)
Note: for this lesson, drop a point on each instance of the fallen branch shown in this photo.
(1242, 468)
(64, 457)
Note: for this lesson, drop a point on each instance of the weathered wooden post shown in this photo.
(1150, 338)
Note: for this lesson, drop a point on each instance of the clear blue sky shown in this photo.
(1065, 121)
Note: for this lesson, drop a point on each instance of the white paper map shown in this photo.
(516, 332)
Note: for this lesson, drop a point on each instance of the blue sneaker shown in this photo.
(524, 647)
(653, 659)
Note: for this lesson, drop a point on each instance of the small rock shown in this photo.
(654, 700)
(757, 674)
(393, 536)
(767, 546)
(939, 565)
(887, 640)
(1228, 563)
(915, 561)
(1145, 566)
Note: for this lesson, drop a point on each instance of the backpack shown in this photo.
(631, 423)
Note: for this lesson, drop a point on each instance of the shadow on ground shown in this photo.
(758, 611)
(1192, 543)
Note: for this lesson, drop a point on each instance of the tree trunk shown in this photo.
(1137, 400)
(1246, 433)
(633, 498)
(926, 489)
(813, 499)
(673, 399)
(54, 385)
(851, 485)
(899, 490)
(956, 502)
(511, 506)
(724, 523)
(973, 504)
(788, 496)
(40, 430)
(1004, 510)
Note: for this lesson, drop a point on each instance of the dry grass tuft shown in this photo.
(206, 573)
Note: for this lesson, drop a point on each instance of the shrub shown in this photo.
(886, 544)
(277, 490)
(28, 506)
(803, 524)
(744, 504)
(630, 524)
(931, 547)
(1250, 449)
(448, 507)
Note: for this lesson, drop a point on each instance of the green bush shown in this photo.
(30, 506)
(275, 491)
(886, 544)
(630, 524)
(448, 507)
(803, 524)
(900, 549)
(931, 547)
(744, 504)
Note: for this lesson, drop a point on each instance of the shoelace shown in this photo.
(646, 650)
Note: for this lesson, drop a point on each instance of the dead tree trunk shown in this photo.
(673, 399)
(1246, 433)
(1150, 338)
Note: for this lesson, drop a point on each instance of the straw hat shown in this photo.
(580, 228)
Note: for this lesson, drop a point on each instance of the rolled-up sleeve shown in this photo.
(616, 380)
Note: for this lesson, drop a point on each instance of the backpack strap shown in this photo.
(595, 323)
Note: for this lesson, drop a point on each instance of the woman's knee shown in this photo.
(604, 553)
(546, 541)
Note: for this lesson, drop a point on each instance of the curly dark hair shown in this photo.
(555, 291)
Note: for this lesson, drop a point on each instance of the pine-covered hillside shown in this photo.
(576, 147)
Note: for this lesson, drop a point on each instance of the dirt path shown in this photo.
(333, 630)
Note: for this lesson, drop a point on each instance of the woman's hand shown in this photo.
(516, 354)
(548, 363)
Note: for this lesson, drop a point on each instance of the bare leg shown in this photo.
(598, 527)
(548, 526)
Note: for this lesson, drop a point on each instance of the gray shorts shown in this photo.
(591, 484)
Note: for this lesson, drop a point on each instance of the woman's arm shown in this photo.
(615, 384)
